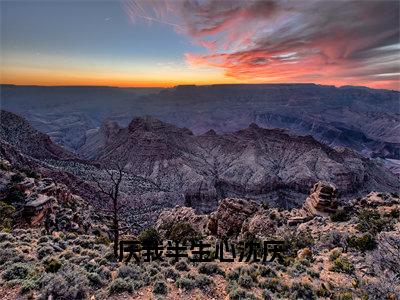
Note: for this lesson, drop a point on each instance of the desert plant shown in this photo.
(69, 282)
(149, 236)
(52, 265)
(369, 220)
(267, 272)
(44, 251)
(245, 281)
(95, 280)
(102, 240)
(342, 265)
(203, 282)
(6, 212)
(120, 285)
(266, 295)
(302, 291)
(17, 178)
(340, 215)
(15, 196)
(362, 243)
(210, 268)
(394, 213)
(170, 273)
(271, 284)
(186, 283)
(128, 272)
(183, 232)
(182, 266)
(345, 296)
(334, 255)
(17, 271)
(160, 287)
(239, 294)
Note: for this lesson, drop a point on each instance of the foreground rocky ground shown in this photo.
(63, 251)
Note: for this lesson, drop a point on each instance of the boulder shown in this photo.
(263, 223)
(180, 214)
(231, 214)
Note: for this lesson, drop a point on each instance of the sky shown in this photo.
(166, 43)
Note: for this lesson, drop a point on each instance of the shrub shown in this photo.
(149, 236)
(267, 272)
(44, 251)
(234, 274)
(29, 285)
(340, 215)
(44, 239)
(210, 268)
(295, 242)
(245, 281)
(395, 213)
(6, 212)
(249, 238)
(334, 255)
(17, 271)
(15, 196)
(102, 240)
(370, 220)
(342, 265)
(182, 266)
(10, 255)
(17, 178)
(128, 272)
(182, 232)
(273, 284)
(68, 283)
(265, 205)
(345, 296)
(362, 243)
(31, 173)
(266, 295)
(171, 273)
(323, 292)
(153, 271)
(186, 283)
(95, 280)
(120, 285)
(104, 272)
(160, 287)
(5, 165)
(51, 265)
(239, 294)
(302, 291)
(5, 236)
(203, 282)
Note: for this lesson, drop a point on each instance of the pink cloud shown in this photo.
(333, 42)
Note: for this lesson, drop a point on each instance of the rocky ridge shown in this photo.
(261, 164)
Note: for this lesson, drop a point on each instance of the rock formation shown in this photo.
(322, 200)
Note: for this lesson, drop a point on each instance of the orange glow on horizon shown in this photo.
(165, 80)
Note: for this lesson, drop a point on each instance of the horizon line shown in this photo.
(199, 85)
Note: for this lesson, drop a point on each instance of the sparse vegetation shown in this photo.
(120, 285)
(6, 212)
(369, 220)
(183, 232)
(342, 264)
(340, 215)
(363, 243)
(160, 287)
(210, 269)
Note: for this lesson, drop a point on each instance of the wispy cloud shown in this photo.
(336, 42)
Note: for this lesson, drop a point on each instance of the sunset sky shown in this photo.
(165, 43)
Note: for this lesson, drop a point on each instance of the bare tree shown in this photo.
(111, 193)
